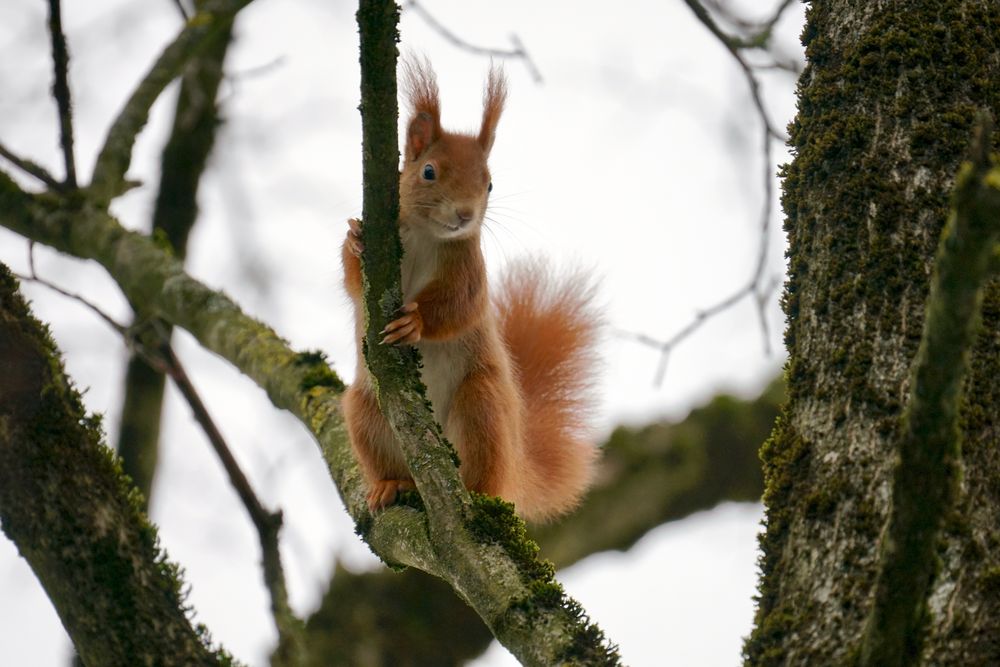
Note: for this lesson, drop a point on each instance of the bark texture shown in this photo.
(73, 516)
(886, 109)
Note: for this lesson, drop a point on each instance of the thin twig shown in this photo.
(734, 45)
(182, 9)
(757, 28)
(517, 52)
(755, 286)
(267, 523)
(111, 322)
(60, 89)
(31, 168)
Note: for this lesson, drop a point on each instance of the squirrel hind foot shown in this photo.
(384, 492)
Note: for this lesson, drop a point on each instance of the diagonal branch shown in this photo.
(60, 89)
(73, 516)
(116, 154)
(926, 479)
(161, 357)
(267, 523)
(31, 168)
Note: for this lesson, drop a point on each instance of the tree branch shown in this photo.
(60, 89)
(182, 164)
(65, 503)
(517, 52)
(31, 168)
(267, 523)
(647, 476)
(116, 153)
(478, 545)
(926, 479)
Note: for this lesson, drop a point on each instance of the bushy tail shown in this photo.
(551, 327)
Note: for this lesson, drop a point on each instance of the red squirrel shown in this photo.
(507, 376)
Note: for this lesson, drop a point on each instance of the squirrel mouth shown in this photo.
(452, 227)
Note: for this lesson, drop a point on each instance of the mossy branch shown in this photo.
(75, 517)
(928, 470)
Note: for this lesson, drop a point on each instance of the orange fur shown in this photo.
(508, 382)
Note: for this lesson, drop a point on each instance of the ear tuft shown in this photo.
(421, 90)
(419, 135)
(494, 97)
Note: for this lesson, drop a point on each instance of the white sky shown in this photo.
(638, 157)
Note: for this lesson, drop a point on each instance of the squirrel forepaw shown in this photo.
(383, 492)
(354, 243)
(406, 329)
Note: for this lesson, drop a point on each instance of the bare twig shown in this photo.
(31, 168)
(734, 46)
(34, 278)
(60, 89)
(760, 289)
(267, 523)
(756, 286)
(517, 52)
(760, 30)
(182, 9)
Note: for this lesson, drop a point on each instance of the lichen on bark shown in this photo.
(76, 518)
(886, 107)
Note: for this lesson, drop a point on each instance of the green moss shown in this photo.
(317, 372)
(860, 247)
(492, 520)
(61, 491)
(990, 581)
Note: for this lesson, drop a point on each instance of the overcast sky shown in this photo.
(637, 157)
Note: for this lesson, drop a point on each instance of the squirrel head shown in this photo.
(445, 182)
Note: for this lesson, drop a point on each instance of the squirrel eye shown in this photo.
(428, 173)
(489, 188)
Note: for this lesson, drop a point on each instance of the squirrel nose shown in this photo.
(464, 214)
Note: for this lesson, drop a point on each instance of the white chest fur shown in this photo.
(445, 363)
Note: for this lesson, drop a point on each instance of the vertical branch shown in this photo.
(394, 368)
(60, 89)
(925, 484)
(182, 164)
(377, 24)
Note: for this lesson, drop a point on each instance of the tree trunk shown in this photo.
(886, 108)
(74, 517)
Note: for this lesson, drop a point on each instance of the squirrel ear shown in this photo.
(420, 87)
(493, 100)
(421, 133)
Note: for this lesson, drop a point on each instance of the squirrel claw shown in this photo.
(354, 243)
(406, 329)
(384, 492)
